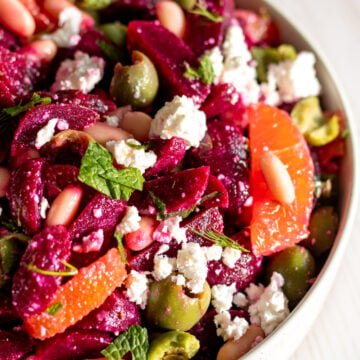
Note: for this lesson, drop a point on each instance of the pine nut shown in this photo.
(171, 16)
(142, 238)
(277, 178)
(16, 18)
(41, 50)
(4, 180)
(137, 123)
(54, 8)
(234, 349)
(65, 206)
(102, 133)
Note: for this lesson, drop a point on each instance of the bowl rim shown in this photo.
(348, 217)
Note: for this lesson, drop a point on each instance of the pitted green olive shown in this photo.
(325, 133)
(116, 32)
(323, 225)
(186, 4)
(173, 345)
(171, 307)
(93, 4)
(297, 266)
(137, 84)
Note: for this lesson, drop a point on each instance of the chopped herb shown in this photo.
(110, 51)
(219, 239)
(205, 72)
(210, 196)
(135, 146)
(200, 9)
(36, 99)
(345, 133)
(72, 270)
(98, 172)
(54, 309)
(134, 339)
(11, 226)
(118, 237)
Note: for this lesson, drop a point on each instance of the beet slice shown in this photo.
(116, 314)
(144, 260)
(246, 269)
(18, 76)
(101, 213)
(77, 117)
(210, 219)
(32, 291)
(73, 344)
(180, 191)
(169, 154)
(25, 193)
(228, 161)
(13, 346)
(8, 40)
(215, 194)
(154, 41)
(8, 314)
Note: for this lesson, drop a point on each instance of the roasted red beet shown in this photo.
(73, 344)
(210, 219)
(76, 117)
(227, 158)
(246, 269)
(25, 193)
(12, 346)
(31, 290)
(116, 314)
(144, 260)
(8, 314)
(189, 184)
(101, 213)
(215, 194)
(8, 40)
(169, 154)
(153, 40)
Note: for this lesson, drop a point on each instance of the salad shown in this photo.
(168, 179)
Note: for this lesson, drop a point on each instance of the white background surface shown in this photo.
(335, 27)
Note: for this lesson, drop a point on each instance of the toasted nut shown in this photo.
(4, 180)
(137, 123)
(65, 206)
(15, 17)
(171, 16)
(42, 50)
(143, 237)
(234, 349)
(277, 178)
(102, 133)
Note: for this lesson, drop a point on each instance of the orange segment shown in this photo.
(275, 226)
(83, 293)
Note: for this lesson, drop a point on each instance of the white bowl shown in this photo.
(288, 336)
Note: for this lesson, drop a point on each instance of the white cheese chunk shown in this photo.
(130, 222)
(45, 134)
(230, 256)
(240, 300)
(44, 205)
(222, 296)
(170, 229)
(137, 288)
(213, 252)
(230, 329)
(216, 58)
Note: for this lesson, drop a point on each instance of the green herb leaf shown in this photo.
(135, 146)
(98, 172)
(200, 9)
(36, 99)
(219, 239)
(134, 340)
(110, 51)
(205, 72)
(210, 196)
(345, 133)
(118, 237)
(54, 309)
(72, 270)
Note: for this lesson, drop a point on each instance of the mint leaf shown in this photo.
(201, 10)
(137, 147)
(54, 309)
(36, 99)
(205, 72)
(118, 237)
(98, 172)
(134, 340)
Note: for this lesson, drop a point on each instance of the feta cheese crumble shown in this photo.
(130, 222)
(296, 78)
(213, 252)
(170, 229)
(230, 329)
(216, 58)
(230, 256)
(191, 262)
(91, 242)
(67, 34)
(81, 73)
(240, 300)
(137, 288)
(163, 265)
(222, 296)
(112, 120)
(44, 205)
(272, 306)
(180, 118)
(45, 134)
(129, 156)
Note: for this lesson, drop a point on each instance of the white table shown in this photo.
(335, 26)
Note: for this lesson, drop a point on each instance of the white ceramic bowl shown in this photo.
(288, 336)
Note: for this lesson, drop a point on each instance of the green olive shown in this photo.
(186, 4)
(325, 133)
(93, 4)
(173, 345)
(136, 85)
(170, 307)
(297, 266)
(323, 225)
(116, 32)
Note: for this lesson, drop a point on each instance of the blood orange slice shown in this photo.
(277, 226)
